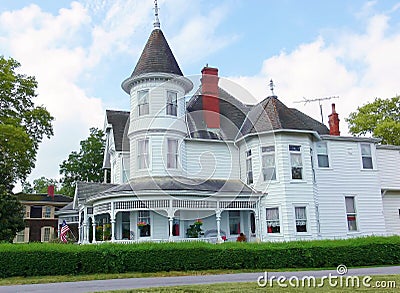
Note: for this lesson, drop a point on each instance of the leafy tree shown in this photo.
(11, 215)
(85, 165)
(40, 185)
(381, 118)
(22, 124)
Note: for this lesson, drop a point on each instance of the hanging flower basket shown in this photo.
(141, 225)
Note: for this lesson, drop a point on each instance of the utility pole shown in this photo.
(305, 101)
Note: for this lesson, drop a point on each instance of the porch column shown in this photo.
(258, 228)
(218, 218)
(94, 230)
(85, 227)
(79, 228)
(112, 218)
(171, 223)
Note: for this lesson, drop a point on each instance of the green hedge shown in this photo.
(36, 259)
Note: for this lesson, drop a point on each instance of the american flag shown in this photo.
(63, 232)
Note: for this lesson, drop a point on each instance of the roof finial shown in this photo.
(271, 87)
(156, 22)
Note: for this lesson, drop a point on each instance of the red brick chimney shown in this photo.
(334, 122)
(209, 85)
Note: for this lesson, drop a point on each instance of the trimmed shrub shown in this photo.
(38, 259)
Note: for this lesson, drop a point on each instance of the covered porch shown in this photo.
(176, 219)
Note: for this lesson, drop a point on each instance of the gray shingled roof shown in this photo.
(85, 189)
(182, 184)
(157, 56)
(43, 197)
(119, 120)
(232, 111)
(272, 114)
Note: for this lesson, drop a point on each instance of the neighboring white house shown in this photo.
(265, 170)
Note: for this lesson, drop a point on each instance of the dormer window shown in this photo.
(172, 103)
(143, 102)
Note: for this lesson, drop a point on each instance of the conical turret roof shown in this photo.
(157, 56)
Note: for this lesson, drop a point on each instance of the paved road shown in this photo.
(120, 284)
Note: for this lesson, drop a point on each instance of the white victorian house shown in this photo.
(265, 170)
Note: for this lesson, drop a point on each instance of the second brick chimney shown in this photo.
(209, 86)
(334, 122)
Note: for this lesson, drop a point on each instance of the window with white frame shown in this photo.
(322, 154)
(172, 153)
(46, 212)
(301, 219)
(268, 163)
(366, 156)
(20, 236)
(144, 223)
(351, 213)
(46, 234)
(249, 167)
(273, 223)
(234, 222)
(296, 161)
(143, 153)
(143, 102)
(172, 103)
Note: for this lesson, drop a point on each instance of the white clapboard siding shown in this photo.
(388, 160)
(160, 226)
(211, 159)
(345, 177)
(391, 209)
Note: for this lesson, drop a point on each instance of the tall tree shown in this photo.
(22, 124)
(22, 127)
(11, 215)
(85, 165)
(381, 118)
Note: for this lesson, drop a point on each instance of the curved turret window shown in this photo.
(172, 103)
(172, 154)
(143, 102)
(143, 153)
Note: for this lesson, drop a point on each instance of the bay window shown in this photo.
(296, 161)
(301, 219)
(268, 163)
(249, 167)
(273, 223)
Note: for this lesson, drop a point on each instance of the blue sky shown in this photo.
(81, 51)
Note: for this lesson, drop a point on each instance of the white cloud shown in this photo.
(357, 67)
(63, 48)
(45, 45)
(198, 38)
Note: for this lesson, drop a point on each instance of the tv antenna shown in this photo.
(306, 101)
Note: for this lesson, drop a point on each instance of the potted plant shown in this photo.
(194, 231)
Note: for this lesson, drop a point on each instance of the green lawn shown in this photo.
(253, 287)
